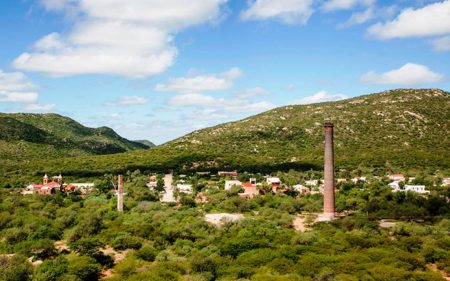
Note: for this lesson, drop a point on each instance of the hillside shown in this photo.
(41, 136)
(398, 128)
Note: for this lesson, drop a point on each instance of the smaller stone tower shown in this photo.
(120, 194)
(45, 179)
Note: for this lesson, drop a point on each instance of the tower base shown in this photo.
(326, 217)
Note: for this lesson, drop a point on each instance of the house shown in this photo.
(232, 174)
(396, 177)
(186, 188)
(229, 184)
(445, 181)
(301, 189)
(275, 182)
(312, 182)
(416, 188)
(394, 185)
(250, 190)
(358, 179)
(83, 188)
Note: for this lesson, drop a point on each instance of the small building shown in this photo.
(152, 184)
(232, 174)
(229, 184)
(312, 182)
(445, 181)
(301, 189)
(275, 182)
(416, 188)
(358, 179)
(83, 188)
(250, 190)
(186, 188)
(396, 177)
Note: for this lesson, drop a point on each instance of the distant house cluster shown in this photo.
(56, 183)
(397, 187)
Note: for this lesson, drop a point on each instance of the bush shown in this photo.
(147, 253)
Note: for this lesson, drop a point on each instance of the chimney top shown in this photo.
(328, 124)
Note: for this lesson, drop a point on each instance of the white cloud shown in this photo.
(18, 97)
(236, 104)
(321, 96)
(193, 100)
(130, 100)
(333, 5)
(37, 108)
(250, 93)
(441, 44)
(201, 83)
(15, 87)
(433, 19)
(408, 74)
(288, 11)
(359, 17)
(126, 38)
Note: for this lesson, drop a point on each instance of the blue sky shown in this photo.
(156, 70)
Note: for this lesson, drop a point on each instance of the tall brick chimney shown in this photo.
(328, 203)
(120, 194)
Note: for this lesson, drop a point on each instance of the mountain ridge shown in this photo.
(397, 130)
(32, 136)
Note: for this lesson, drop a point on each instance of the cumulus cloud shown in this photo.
(359, 17)
(235, 104)
(408, 74)
(250, 93)
(321, 96)
(126, 38)
(129, 100)
(201, 83)
(287, 11)
(441, 44)
(433, 19)
(333, 5)
(38, 108)
(15, 87)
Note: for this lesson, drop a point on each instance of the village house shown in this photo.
(312, 182)
(232, 174)
(414, 188)
(250, 189)
(396, 177)
(445, 181)
(358, 179)
(229, 184)
(153, 182)
(301, 189)
(185, 188)
(275, 182)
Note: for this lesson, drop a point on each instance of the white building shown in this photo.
(397, 177)
(301, 189)
(231, 183)
(312, 182)
(416, 188)
(187, 188)
(357, 179)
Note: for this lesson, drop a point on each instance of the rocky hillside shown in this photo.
(399, 128)
(30, 136)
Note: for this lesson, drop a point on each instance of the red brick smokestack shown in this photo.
(328, 203)
(120, 194)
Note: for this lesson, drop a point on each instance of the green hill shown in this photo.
(41, 136)
(399, 128)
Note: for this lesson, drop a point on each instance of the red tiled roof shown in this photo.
(247, 184)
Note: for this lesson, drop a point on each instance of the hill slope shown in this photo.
(28, 136)
(399, 128)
